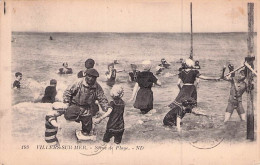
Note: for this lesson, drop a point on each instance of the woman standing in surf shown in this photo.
(188, 76)
(144, 96)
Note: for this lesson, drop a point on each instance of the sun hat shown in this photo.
(147, 65)
(117, 91)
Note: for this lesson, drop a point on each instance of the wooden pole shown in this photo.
(191, 33)
(250, 59)
(250, 68)
(234, 71)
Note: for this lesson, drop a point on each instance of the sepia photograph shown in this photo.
(129, 82)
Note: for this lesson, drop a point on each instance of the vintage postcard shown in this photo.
(129, 82)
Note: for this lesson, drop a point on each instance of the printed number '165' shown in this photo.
(25, 146)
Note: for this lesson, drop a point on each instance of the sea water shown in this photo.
(39, 58)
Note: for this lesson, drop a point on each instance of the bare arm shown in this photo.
(196, 83)
(227, 78)
(118, 71)
(54, 123)
(136, 88)
(179, 83)
(59, 71)
(102, 100)
(108, 75)
(208, 78)
(98, 120)
(129, 78)
(52, 119)
(158, 83)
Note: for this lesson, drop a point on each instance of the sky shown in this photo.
(129, 16)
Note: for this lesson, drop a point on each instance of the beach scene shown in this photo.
(38, 58)
(70, 93)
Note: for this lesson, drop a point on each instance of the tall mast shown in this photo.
(191, 33)
(250, 59)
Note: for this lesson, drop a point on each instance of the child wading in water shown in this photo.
(111, 74)
(51, 124)
(115, 124)
(18, 77)
(238, 87)
(50, 92)
(144, 96)
(134, 73)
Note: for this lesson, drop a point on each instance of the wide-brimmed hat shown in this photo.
(189, 63)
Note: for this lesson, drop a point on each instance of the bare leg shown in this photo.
(227, 116)
(229, 110)
(242, 117)
(178, 124)
(241, 112)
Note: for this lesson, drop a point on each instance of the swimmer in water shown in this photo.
(180, 61)
(133, 75)
(65, 69)
(50, 92)
(18, 78)
(164, 65)
(116, 62)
